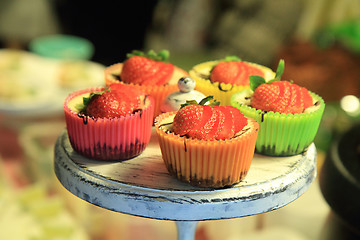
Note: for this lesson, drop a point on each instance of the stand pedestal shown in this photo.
(143, 187)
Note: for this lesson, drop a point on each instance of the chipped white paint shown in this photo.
(142, 186)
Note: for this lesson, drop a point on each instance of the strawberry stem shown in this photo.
(202, 102)
(231, 58)
(82, 106)
(256, 81)
(208, 99)
(163, 55)
(189, 102)
(279, 70)
(205, 100)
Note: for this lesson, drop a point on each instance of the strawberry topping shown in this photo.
(114, 101)
(208, 122)
(148, 69)
(279, 96)
(188, 119)
(234, 72)
(226, 123)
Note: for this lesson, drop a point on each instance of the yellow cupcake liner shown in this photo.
(216, 164)
(109, 139)
(222, 92)
(159, 93)
(283, 134)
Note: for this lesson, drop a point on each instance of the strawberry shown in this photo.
(207, 128)
(188, 119)
(208, 122)
(234, 71)
(226, 127)
(234, 121)
(147, 69)
(114, 101)
(279, 96)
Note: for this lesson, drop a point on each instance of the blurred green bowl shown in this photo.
(62, 47)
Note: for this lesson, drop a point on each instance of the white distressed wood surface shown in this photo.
(142, 186)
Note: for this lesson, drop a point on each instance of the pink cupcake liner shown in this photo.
(109, 138)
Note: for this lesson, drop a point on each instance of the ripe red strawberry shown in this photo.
(279, 96)
(239, 119)
(115, 101)
(208, 125)
(234, 72)
(234, 122)
(147, 69)
(208, 122)
(226, 127)
(188, 119)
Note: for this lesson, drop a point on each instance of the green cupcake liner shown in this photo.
(283, 134)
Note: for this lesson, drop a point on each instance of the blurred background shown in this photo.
(49, 48)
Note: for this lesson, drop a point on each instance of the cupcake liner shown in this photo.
(202, 163)
(222, 92)
(159, 93)
(109, 138)
(283, 134)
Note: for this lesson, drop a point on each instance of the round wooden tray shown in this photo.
(143, 187)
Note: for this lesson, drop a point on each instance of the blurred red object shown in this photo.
(12, 158)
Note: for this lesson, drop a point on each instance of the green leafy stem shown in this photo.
(256, 81)
(163, 55)
(202, 102)
(81, 107)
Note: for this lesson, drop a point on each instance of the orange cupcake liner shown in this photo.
(159, 93)
(217, 163)
(109, 138)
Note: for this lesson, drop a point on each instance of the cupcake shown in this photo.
(224, 77)
(205, 145)
(289, 115)
(148, 72)
(112, 123)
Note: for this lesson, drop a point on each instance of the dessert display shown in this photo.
(22, 81)
(111, 123)
(149, 72)
(33, 208)
(289, 115)
(207, 145)
(60, 46)
(75, 74)
(15, 91)
(186, 92)
(38, 215)
(32, 85)
(222, 78)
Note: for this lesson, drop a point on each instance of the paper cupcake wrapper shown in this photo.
(283, 134)
(109, 138)
(159, 93)
(222, 92)
(202, 163)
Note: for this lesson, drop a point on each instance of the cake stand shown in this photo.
(143, 187)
